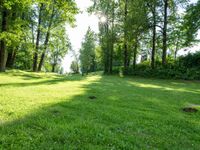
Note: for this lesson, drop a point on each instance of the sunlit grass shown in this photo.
(49, 111)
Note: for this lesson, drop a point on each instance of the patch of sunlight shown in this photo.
(152, 86)
(95, 78)
(29, 99)
(193, 105)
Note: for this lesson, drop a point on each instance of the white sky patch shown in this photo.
(76, 35)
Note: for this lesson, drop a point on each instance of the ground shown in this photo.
(48, 111)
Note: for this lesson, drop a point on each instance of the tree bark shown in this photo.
(53, 68)
(11, 57)
(176, 50)
(125, 38)
(164, 55)
(35, 58)
(3, 52)
(154, 38)
(135, 55)
(44, 52)
(107, 49)
(46, 42)
(112, 38)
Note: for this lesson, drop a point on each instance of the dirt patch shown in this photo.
(190, 109)
(55, 112)
(92, 97)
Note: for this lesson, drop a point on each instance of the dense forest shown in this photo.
(136, 37)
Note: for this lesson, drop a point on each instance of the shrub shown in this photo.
(186, 67)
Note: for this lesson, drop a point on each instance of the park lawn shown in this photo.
(48, 111)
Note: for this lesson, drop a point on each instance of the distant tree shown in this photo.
(58, 48)
(74, 67)
(87, 52)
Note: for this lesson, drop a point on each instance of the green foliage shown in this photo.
(190, 61)
(58, 48)
(29, 24)
(87, 53)
(185, 67)
(192, 22)
(74, 67)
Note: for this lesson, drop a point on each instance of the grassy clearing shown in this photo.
(46, 111)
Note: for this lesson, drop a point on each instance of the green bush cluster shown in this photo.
(185, 67)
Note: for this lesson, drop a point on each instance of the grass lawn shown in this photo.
(46, 111)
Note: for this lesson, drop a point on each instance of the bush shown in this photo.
(186, 67)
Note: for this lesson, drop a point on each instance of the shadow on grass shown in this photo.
(123, 116)
(45, 81)
(28, 75)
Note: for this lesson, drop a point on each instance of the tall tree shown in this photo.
(164, 55)
(11, 27)
(106, 11)
(126, 64)
(3, 51)
(35, 57)
(58, 48)
(57, 13)
(192, 23)
(87, 52)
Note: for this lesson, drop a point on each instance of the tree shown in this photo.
(35, 57)
(192, 22)
(57, 13)
(164, 59)
(152, 5)
(11, 25)
(58, 48)
(51, 14)
(107, 13)
(87, 52)
(126, 64)
(74, 67)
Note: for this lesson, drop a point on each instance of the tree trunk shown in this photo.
(3, 52)
(44, 52)
(35, 58)
(46, 42)
(53, 68)
(135, 55)
(11, 57)
(107, 49)
(112, 38)
(176, 51)
(125, 38)
(154, 38)
(111, 58)
(164, 55)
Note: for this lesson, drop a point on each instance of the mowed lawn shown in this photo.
(48, 111)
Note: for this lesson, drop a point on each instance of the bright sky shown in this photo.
(76, 35)
(83, 21)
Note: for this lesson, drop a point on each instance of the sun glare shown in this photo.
(103, 19)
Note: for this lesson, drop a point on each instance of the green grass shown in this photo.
(47, 111)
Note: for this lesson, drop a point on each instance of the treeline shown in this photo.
(32, 33)
(155, 30)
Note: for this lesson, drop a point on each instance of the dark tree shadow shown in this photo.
(45, 81)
